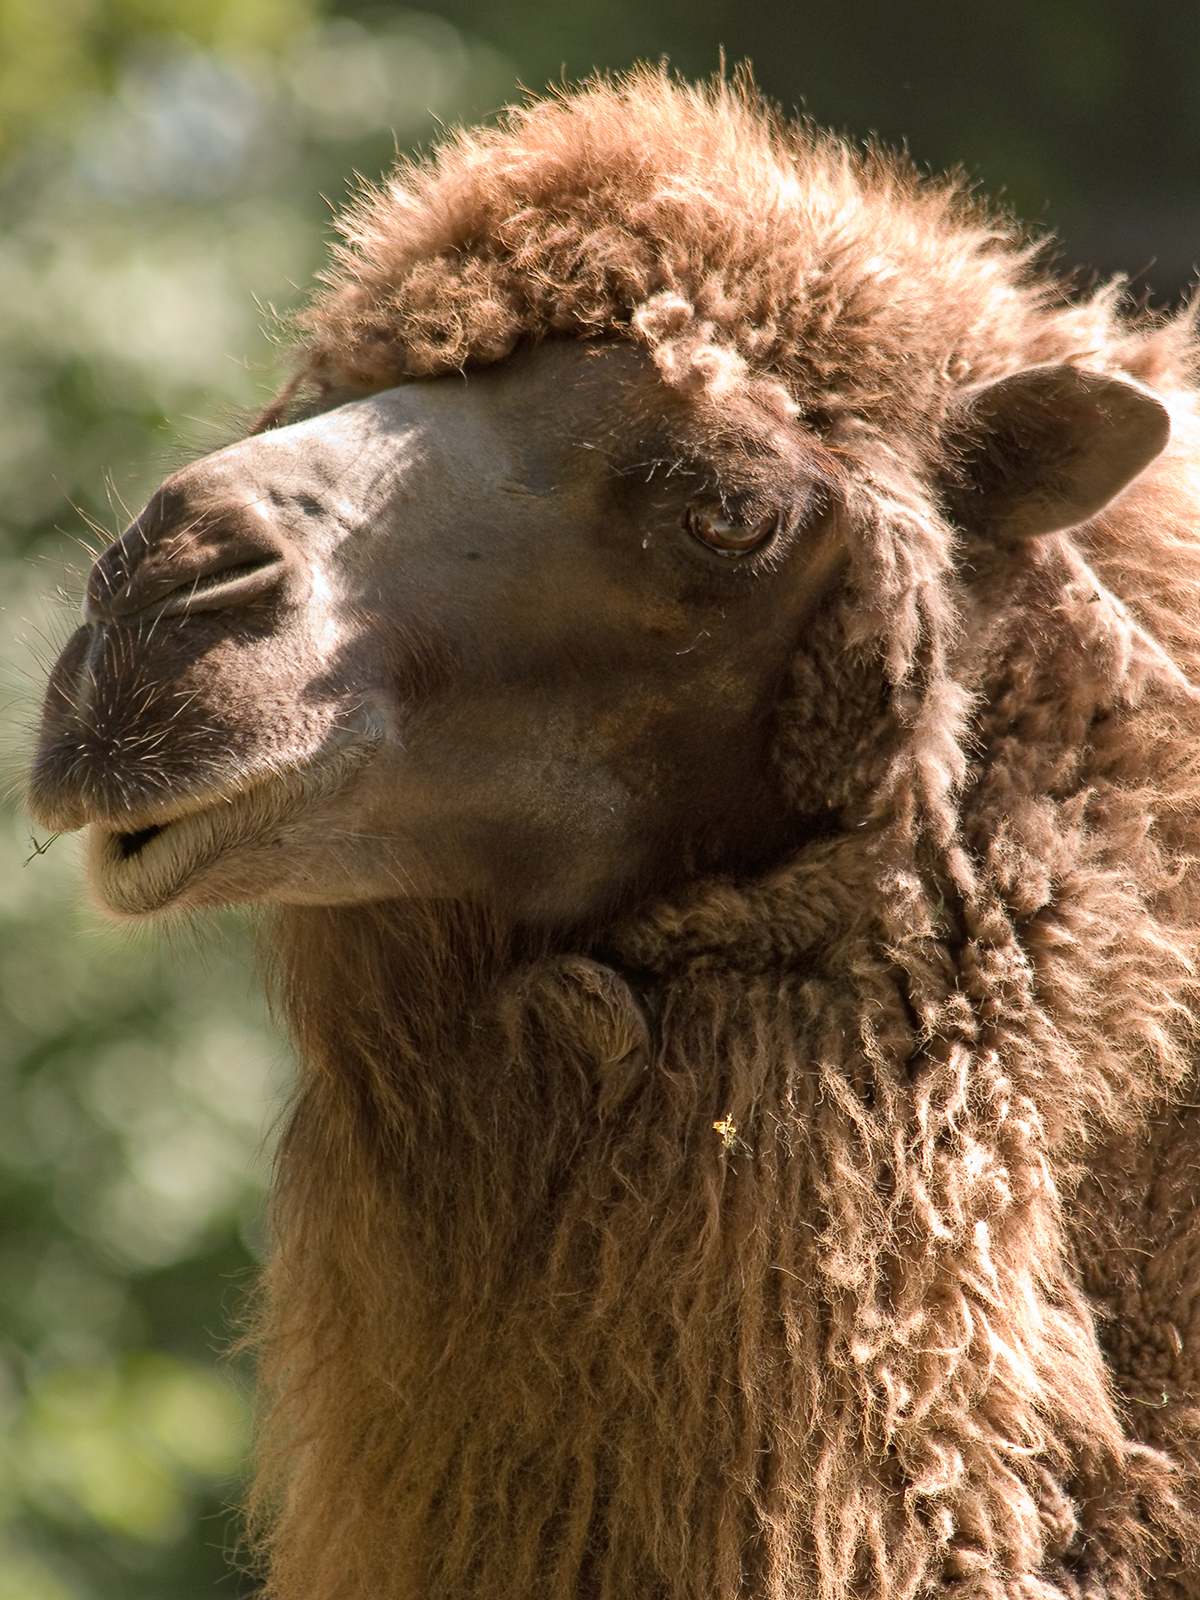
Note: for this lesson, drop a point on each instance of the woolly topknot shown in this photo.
(694, 221)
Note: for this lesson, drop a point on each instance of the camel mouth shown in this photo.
(230, 847)
(132, 844)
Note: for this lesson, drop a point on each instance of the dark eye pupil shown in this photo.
(714, 529)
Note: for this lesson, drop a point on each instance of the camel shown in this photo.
(699, 671)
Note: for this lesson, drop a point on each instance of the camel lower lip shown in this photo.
(221, 851)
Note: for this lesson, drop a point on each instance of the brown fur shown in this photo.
(742, 1247)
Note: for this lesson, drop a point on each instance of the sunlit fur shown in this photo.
(743, 1248)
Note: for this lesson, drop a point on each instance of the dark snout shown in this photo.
(141, 705)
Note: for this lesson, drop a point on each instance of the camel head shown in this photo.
(515, 636)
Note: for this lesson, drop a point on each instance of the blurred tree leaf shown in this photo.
(57, 55)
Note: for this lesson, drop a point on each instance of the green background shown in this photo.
(166, 173)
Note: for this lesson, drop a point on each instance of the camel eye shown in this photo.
(713, 528)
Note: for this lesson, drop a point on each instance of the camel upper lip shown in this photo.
(347, 749)
(142, 823)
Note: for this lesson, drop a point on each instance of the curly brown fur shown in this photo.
(743, 1247)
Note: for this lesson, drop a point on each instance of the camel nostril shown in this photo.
(234, 583)
(174, 561)
(231, 573)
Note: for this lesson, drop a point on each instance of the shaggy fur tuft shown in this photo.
(744, 1248)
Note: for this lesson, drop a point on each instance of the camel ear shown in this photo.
(1048, 448)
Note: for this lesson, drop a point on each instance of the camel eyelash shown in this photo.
(675, 479)
(738, 532)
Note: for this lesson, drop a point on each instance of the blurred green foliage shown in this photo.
(56, 55)
(163, 165)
